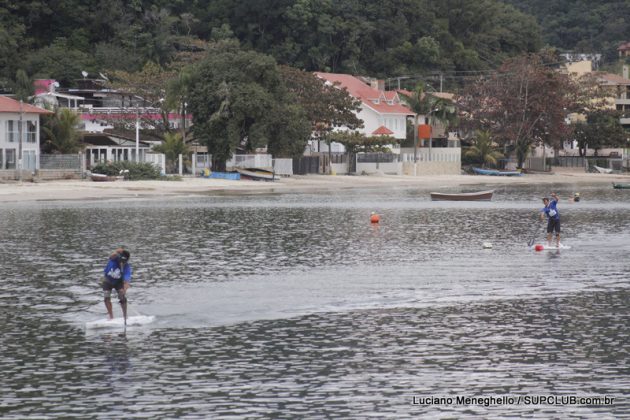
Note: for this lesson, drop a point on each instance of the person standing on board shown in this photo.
(553, 218)
(118, 277)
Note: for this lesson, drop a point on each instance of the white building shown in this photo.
(11, 132)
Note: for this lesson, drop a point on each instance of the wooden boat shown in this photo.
(496, 172)
(470, 196)
(621, 186)
(602, 170)
(105, 178)
(256, 174)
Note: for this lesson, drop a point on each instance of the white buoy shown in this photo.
(487, 245)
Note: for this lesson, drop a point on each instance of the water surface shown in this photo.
(294, 305)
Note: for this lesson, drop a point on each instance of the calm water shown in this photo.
(295, 306)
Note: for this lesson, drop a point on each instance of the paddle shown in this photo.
(533, 235)
(124, 308)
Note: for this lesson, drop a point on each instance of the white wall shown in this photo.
(373, 120)
(30, 150)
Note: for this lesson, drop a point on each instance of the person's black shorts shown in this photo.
(553, 224)
(108, 287)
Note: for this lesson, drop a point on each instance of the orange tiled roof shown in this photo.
(11, 105)
(612, 79)
(383, 102)
(382, 131)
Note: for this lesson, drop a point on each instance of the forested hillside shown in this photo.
(60, 38)
(591, 26)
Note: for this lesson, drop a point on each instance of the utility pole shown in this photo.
(137, 134)
(20, 128)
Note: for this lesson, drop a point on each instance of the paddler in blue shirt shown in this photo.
(553, 218)
(118, 277)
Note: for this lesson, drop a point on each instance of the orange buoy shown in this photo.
(375, 218)
(539, 247)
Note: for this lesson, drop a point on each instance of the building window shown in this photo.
(31, 132)
(1, 159)
(10, 156)
(12, 131)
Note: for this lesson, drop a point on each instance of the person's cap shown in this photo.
(577, 194)
(124, 256)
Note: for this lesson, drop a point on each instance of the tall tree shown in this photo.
(23, 86)
(237, 98)
(524, 103)
(601, 129)
(425, 104)
(147, 89)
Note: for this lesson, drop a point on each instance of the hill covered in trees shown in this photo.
(584, 26)
(61, 38)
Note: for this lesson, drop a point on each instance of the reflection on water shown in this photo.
(296, 306)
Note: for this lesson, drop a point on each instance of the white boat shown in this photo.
(256, 174)
(469, 196)
(105, 178)
(602, 170)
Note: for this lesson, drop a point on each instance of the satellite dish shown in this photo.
(84, 73)
(103, 76)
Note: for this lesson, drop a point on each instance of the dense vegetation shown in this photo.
(61, 38)
(584, 26)
(242, 67)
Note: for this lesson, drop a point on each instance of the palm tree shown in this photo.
(172, 147)
(420, 104)
(429, 105)
(484, 150)
(61, 134)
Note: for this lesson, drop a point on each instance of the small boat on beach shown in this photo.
(256, 174)
(621, 186)
(105, 178)
(496, 172)
(470, 196)
(602, 170)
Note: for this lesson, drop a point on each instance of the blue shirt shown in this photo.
(551, 210)
(114, 274)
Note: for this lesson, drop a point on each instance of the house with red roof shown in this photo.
(19, 133)
(382, 112)
(624, 49)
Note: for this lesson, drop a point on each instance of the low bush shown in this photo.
(137, 170)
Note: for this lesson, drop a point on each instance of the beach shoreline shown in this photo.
(86, 190)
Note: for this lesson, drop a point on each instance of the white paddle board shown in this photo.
(545, 247)
(119, 322)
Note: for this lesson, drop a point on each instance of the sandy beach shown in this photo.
(87, 190)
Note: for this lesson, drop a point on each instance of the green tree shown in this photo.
(327, 106)
(356, 142)
(59, 61)
(172, 147)
(147, 89)
(425, 104)
(237, 98)
(23, 86)
(61, 134)
(483, 150)
(601, 129)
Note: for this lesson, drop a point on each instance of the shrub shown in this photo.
(137, 170)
